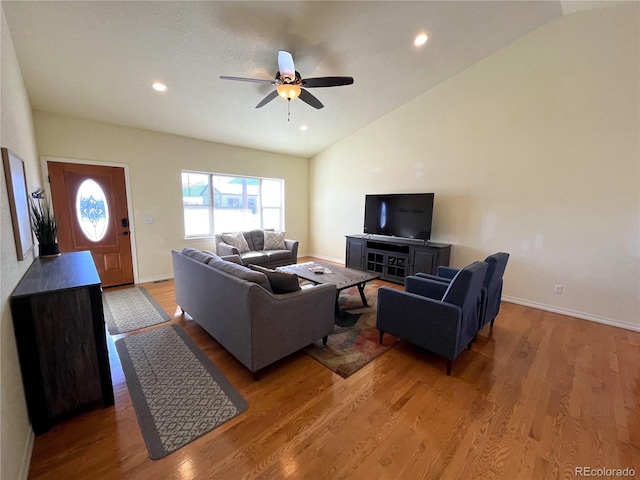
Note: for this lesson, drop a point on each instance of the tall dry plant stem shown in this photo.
(44, 223)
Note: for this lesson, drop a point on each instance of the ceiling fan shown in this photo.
(289, 84)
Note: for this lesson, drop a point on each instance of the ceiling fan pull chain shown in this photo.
(288, 109)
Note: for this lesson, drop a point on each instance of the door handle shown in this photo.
(125, 233)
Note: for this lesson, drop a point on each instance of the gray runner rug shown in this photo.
(178, 394)
(131, 309)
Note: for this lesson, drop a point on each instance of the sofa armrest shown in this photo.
(293, 246)
(273, 307)
(233, 258)
(284, 323)
(224, 249)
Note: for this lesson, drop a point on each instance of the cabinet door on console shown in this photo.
(65, 346)
(355, 253)
(424, 261)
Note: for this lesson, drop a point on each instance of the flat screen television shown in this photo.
(405, 215)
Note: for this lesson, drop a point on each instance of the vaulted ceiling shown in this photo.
(97, 60)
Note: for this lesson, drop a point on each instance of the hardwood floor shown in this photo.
(535, 398)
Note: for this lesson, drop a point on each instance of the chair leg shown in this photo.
(492, 322)
(449, 365)
(469, 346)
(324, 339)
(381, 335)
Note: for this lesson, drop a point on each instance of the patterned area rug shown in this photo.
(131, 309)
(178, 394)
(354, 341)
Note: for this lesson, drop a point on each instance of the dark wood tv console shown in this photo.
(395, 258)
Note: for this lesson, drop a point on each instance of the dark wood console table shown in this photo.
(395, 258)
(60, 333)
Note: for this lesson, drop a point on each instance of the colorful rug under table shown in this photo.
(354, 341)
(177, 393)
(131, 309)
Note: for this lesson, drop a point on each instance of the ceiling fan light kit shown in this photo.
(290, 85)
(288, 91)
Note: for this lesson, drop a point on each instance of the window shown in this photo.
(92, 210)
(221, 203)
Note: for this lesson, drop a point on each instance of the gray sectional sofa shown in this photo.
(237, 307)
(258, 247)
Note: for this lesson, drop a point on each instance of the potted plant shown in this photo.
(45, 227)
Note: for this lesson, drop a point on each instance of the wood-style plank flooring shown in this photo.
(535, 398)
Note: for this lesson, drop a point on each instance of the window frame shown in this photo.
(211, 209)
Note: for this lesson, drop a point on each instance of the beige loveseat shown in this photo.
(258, 247)
(237, 307)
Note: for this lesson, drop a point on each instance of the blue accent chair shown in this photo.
(491, 288)
(437, 316)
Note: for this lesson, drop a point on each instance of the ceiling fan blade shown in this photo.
(327, 82)
(306, 97)
(285, 65)
(267, 99)
(253, 80)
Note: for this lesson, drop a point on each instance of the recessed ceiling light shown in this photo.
(303, 128)
(159, 87)
(420, 39)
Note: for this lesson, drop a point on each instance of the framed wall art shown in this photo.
(16, 180)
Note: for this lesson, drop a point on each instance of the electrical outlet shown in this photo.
(147, 220)
(557, 289)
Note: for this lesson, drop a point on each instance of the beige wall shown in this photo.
(155, 161)
(16, 134)
(534, 151)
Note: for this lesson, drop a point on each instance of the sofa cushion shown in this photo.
(279, 255)
(255, 257)
(273, 240)
(281, 282)
(236, 239)
(241, 272)
(204, 257)
(255, 239)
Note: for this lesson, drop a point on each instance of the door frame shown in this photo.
(127, 181)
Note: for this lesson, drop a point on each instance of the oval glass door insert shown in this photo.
(92, 210)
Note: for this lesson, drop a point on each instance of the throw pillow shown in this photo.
(236, 239)
(274, 240)
(281, 282)
(241, 272)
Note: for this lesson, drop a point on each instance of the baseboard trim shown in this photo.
(159, 278)
(328, 259)
(26, 458)
(572, 313)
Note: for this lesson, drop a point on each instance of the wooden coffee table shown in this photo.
(341, 277)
